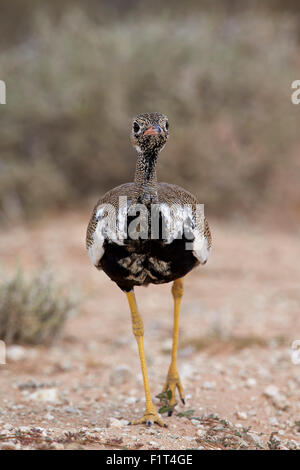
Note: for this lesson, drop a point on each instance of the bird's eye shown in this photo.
(167, 125)
(136, 127)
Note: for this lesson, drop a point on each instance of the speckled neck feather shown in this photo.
(145, 180)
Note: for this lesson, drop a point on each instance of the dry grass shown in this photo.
(224, 80)
(32, 312)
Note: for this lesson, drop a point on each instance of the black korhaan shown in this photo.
(144, 260)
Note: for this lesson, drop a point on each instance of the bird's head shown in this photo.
(149, 132)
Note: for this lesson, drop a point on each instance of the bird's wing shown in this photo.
(188, 217)
(105, 219)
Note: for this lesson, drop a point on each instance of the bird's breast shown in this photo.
(147, 262)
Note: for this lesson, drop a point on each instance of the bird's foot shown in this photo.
(150, 417)
(173, 382)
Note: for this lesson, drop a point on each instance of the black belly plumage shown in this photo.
(143, 262)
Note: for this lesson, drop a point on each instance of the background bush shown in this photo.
(77, 75)
(32, 311)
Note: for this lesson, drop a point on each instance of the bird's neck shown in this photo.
(145, 179)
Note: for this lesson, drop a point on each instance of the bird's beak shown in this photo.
(153, 130)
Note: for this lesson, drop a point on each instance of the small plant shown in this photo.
(32, 312)
(186, 414)
(164, 398)
(273, 442)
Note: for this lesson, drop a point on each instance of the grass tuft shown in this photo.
(34, 311)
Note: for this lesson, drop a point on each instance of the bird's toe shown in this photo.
(150, 417)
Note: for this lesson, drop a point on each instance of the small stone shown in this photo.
(292, 445)
(57, 446)
(256, 438)
(273, 421)
(153, 443)
(130, 400)
(49, 416)
(201, 433)
(44, 395)
(280, 402)
(241, 415)
(24, 429)
(117, 423)
(120, 375)
(71, 410)
(250, 382)
(209, 385)
(271, 391)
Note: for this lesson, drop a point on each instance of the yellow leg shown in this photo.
(150, 415)
(173, 379)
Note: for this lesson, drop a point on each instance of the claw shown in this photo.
(150, 417)
(173, 382)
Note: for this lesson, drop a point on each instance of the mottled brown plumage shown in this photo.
(146, 189)
(183, 241)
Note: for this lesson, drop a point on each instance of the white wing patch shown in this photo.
(177, 220)
(200, 247)
(106, 229)
(180, 221)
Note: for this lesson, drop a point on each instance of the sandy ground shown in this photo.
(240, 314)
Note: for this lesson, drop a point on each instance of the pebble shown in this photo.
(153, 443)
(117, 423)
(273, 421)
(24, 429)
(131, 400)
(241, 415)
(209, 385)
(280, 402)
(70, 410)
(57, 446)
(251, 382)
(293, 445)
(256, 438)
(44, 395)
(271, 391)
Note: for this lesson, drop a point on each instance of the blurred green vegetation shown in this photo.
(76, 75)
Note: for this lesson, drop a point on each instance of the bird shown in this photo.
(165, 241)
